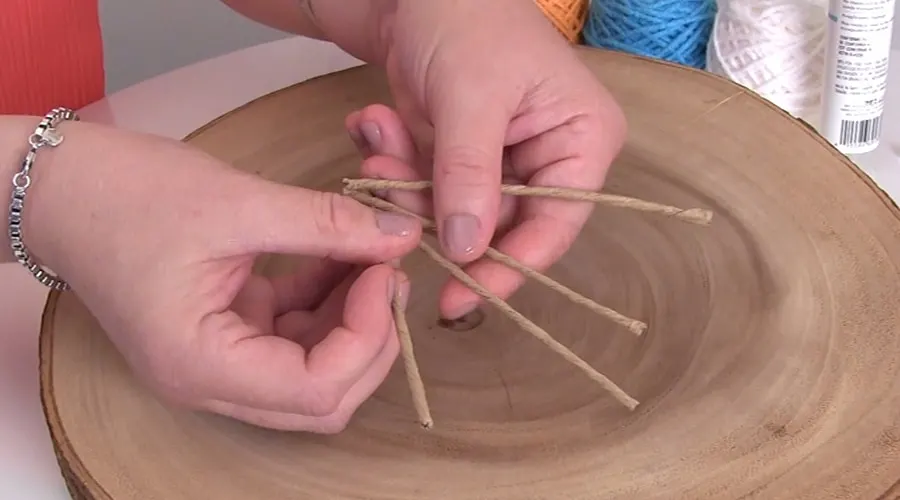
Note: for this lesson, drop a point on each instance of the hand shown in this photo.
(487, 91)
(158, 240)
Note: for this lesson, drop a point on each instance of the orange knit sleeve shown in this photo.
(51, 54)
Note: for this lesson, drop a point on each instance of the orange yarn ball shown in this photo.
(567, 15)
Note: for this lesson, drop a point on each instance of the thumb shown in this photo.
(292, 220)
(469, 132)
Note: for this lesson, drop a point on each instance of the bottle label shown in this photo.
(856, 72)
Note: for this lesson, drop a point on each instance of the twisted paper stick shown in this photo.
(415, 381)
(693, 215)
(633, 325)
(359, 188)
(529, 327)
(420, 401)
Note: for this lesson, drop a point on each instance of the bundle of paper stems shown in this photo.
(362, 189)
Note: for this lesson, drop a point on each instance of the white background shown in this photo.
(143, 38)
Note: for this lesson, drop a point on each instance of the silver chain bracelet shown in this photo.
(44, 135)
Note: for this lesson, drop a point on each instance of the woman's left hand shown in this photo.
(487, 91)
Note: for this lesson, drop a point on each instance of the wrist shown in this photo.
(14, 133)
(36, 192)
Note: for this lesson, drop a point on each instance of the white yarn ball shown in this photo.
(774, 47)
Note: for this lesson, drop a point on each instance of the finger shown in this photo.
(393, 141)
(571, 155)
(254, 303)
(506, 215)
(382, 132)
(383, 167)
(470, 127)
(546, 229)
(417, 125)
(575, 153)
(284, 219)
(309, 285)
(337, 421)
(246, 367)
(534, 242)
(361, 312)
(268, 419)
(327, 424)
(295, 326)
(351, 123)
(319, 322)
(386, 167)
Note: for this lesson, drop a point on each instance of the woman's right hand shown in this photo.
(158, 240)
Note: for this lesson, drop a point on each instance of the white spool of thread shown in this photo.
(774, 47)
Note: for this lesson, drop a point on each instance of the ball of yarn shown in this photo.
(567, 16)
(671, 30)
(775, 48)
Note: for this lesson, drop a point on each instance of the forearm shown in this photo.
(354, 25)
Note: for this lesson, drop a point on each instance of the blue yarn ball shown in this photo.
(671, 30)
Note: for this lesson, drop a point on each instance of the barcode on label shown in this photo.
(860, 132)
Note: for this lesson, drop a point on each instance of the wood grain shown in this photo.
(769, 369)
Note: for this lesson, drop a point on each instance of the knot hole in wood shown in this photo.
(464, 323)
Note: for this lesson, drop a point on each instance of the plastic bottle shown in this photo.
(856, 73)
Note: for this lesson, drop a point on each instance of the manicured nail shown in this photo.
(372, 135)
(460, 233)
(395, 224)
(358, 140)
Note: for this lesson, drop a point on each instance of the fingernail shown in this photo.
(460, 233)
(395, 224)
(358, 140)
(372, 135)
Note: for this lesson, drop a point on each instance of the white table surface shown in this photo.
(174, 104)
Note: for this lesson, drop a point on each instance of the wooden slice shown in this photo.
(769, 370)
